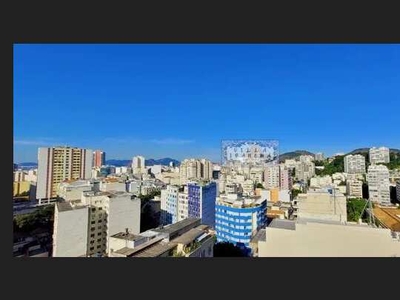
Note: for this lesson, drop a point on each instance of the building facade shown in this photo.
(57, 164)
(195, 169)
(238, 219)
(83, 228)
(326, 204)
(354, 164)
(378, 184)
(201, 201)
(170, 204)
(271, 176)
(286, 180)
(99, 158)
(379, 155)
(305, 170)
(354, 188)
(138, 165)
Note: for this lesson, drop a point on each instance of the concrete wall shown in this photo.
(70, 236)
(88, 163)
(205, 250)
(42, 173)
(322, 206)
(124, 212)
(326, 240)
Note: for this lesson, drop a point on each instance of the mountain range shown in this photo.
(167, 160)
(148, 162)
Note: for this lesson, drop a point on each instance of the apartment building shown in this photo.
(57, 164)
(379, 155)
(186, 238)
(354, 164)
(83, 228)
(378, 184)
(238, 218)
(99, 158)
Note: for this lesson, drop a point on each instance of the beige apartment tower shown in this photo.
(57, 164)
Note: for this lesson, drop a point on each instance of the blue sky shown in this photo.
(180, 100)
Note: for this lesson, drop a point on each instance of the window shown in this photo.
(99, 246)
(91, 248)
(93, 222)
(92, 235)
(99, 240)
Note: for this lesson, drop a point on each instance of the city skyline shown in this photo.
(180, 101)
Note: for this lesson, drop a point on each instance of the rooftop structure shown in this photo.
(308, 238)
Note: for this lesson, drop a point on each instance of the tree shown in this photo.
(335, 166)
(355, 208)
(40, 218)
(226, 249)
(295, 192)
(259, 186)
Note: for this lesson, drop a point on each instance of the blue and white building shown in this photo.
(201, 201)
(169, 204)
(238, 219)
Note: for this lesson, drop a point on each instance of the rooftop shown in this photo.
(66, 206)
(191, 235)
(127, 236)
(128, 252)
(259, 236)
(173, 228)
(283, 224)
(156, 249)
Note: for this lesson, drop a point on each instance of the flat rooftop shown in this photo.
(191, 235)
(132, 251)
(127, 236)
(66, 206)
(173, 228)
(156, 249)
(283, 224)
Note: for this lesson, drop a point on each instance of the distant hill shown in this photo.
(293, 154)
(119, 162)
(365, 151)
(27, 164)
(161, 161)
(148, 162)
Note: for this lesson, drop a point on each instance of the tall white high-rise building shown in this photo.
(138, 165)
(286, 180)
(57, 164)
(354, 164)
(379, 155)
(84, 228)
(271, 176)
(378, 183)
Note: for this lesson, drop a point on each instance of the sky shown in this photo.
(181, 100)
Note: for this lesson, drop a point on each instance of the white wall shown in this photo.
(70, 232)
(326, 240)
(124, 213)
(42, 173)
